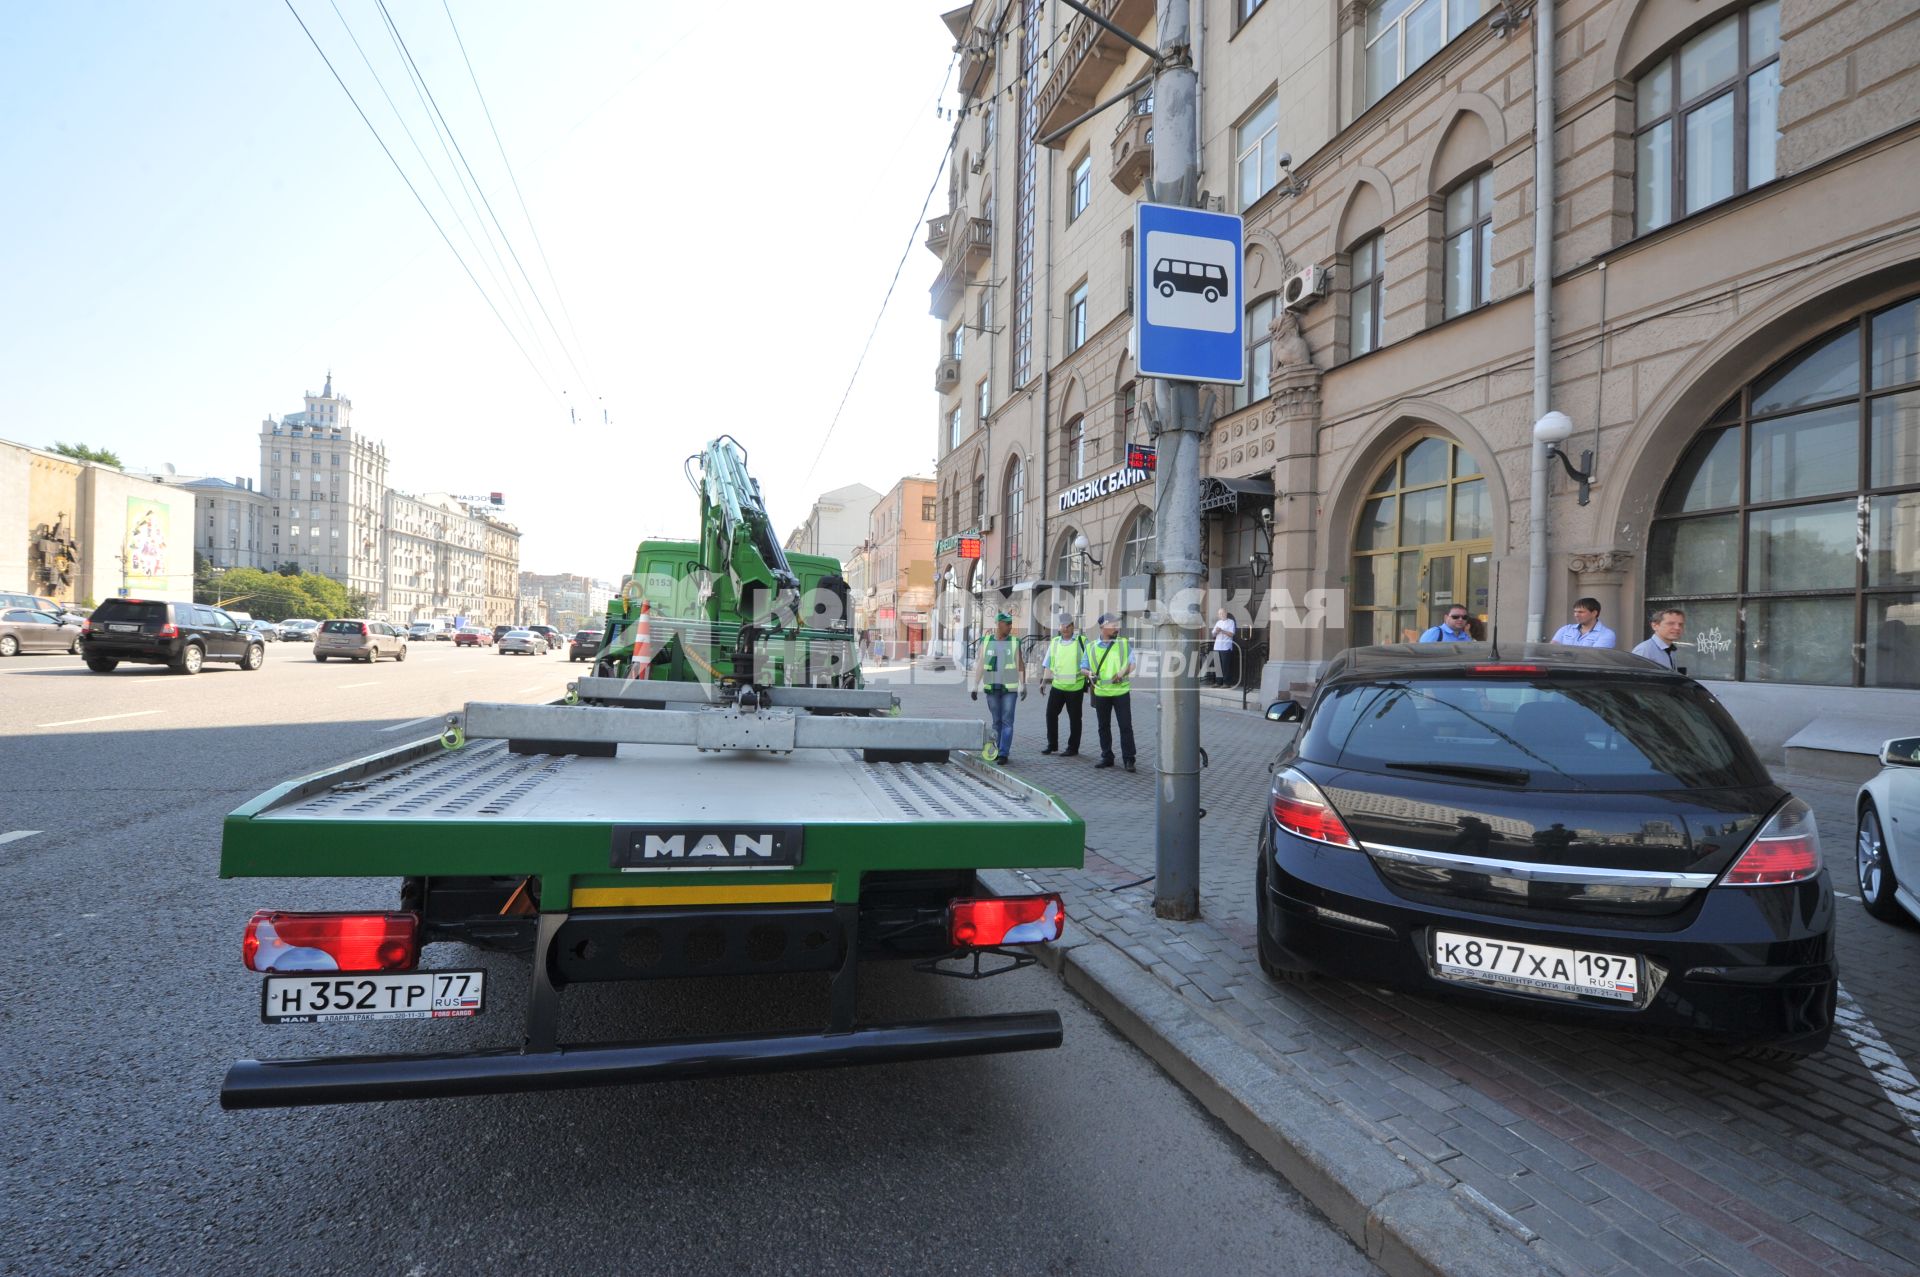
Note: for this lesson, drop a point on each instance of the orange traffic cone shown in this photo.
(642, 664)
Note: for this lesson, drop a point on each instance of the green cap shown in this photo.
(1002, 616)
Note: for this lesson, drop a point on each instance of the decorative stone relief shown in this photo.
(1352, 14)
(1289, 350)
(1589, 562)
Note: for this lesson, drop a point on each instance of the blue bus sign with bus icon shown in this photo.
(1189, 323)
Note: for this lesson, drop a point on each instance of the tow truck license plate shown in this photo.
(407, 995)
(1537, 968)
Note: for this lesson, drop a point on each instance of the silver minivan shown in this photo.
(359, 640)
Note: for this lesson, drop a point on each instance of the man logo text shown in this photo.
(710, 847)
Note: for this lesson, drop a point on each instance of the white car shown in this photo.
(1888, 847)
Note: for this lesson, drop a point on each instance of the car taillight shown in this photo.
(1301, 809)
(979, 924)
(1787, 849)
(86, 627)
(281, 941)
(169, 630)
(1506, 669)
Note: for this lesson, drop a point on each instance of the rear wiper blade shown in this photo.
(1470, 771)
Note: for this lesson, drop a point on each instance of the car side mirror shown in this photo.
(1285, 712)
(1904, 752)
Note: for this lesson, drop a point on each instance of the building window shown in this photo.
(983, 399)
(929, 509)
(1137, 550)
(1790, 532)
(1080, 189)
(1706, 118)
(336, 458)
(1257, 152)
(957, 340)
(955, 428)
(1403, 34)
(1469, 261)
(1014, 508)
(986, 126)
(979, 499)
(1129, 404)
(1259, 382)
(295, 458)
(1365, 295)
(1244, 9)
(1076, 448)
(1076, 319)
(276, 455)
(1424, 545)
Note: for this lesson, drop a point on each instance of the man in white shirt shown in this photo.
(1668, 624)
(1586, 630)
(1225, 667)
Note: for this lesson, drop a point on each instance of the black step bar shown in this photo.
(251, 1084)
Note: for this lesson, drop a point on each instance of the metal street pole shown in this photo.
(1176, 180)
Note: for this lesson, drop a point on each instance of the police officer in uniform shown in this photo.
(1067, 668)
(1110, 664)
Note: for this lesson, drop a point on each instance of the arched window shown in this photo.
(1706, 118)
(1067, 563)
(1365, 296)
(1423, 545)
(1469, 253)
(1790, 532)
(1013, 507)
(1403, 34)
(1136, 551)
(1258, 384)
(1074, 456)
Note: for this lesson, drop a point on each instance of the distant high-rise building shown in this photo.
(326, 487)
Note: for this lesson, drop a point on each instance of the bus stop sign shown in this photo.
(1189, 323)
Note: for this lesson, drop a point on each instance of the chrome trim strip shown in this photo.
(1592, 876)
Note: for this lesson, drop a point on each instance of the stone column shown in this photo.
(1603, 574)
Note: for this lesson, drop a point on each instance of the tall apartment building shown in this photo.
(502, 542)
(437, 556)
(325, 486)
(1735, 325)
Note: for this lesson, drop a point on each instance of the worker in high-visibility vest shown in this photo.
(1003, 674)
(1110, 665)
(1067, 670)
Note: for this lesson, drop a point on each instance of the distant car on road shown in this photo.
(268, 631)
(500, 631)
(298, 630)
(39, 603)
(1887, 843)
(359, 640)
(523, 643)
(181, 636)
(584, 645)
(1563, 828)
(473, 638)
(29, 630)
(552, 636)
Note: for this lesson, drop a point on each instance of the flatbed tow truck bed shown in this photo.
(788, 841)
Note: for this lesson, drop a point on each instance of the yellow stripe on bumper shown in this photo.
(746, 894)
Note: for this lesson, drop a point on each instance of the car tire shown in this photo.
(401, 655)
(191, 659)
(321, 659)
(101, 665)
(256, 656)
(1769, 1055)
(73, 648)
(1873, 867)
(1273, 961)
(9, 645)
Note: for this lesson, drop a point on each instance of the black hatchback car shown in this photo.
(181, 636)
(1571, 828)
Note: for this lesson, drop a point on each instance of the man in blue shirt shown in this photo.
(1451, 630)
(1669, 623)
(1585, 630)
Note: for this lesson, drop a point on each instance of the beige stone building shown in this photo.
(893, 595)
(1735, 325)
(77, 531)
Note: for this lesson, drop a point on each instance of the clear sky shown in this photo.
(197, 226)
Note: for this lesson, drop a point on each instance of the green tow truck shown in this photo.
(722, 796)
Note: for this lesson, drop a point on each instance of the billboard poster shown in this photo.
(148, 527)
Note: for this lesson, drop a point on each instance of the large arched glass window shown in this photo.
(1790, 533)
(1136, 551)
(1067, 563)
(1014, 507)
(1424, 544)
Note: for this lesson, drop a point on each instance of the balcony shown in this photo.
(937, 234)
(970, 246)
(1087, 60)
(947, 376)
(1133, 150)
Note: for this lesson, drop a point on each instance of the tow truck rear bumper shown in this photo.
(356, 1079)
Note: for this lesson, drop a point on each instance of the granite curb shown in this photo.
(1406, 1225)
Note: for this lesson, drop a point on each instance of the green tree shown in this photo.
(80, 452)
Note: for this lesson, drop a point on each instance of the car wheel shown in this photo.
(319, 658)
(1874, 867)
(9, 645)
(401, 655)
(256, 656)
(101, 665)
(191, 659)
(1273, 961)
(73, 648)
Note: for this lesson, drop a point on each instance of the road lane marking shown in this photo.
(344, 686)
(1882, 1062)
(411, 722)
(69, 722)
(17, 835)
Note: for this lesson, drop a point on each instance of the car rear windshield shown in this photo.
(586, 636)
(1535, 733)
(344, 627)
(127, 610)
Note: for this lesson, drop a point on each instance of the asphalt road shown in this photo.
(122, 1000)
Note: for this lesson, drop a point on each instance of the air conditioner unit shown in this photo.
(1306, 288)
(977, 165)
(986, 524)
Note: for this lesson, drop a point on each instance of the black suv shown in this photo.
(181, 636)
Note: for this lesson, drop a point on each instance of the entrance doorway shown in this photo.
(1424, 544)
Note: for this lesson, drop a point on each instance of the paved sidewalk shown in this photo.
(1599, 1152)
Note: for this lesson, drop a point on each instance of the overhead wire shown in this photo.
(415, 191)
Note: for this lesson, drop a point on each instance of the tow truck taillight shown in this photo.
(281, 941)
(1301, 809)
(980, 924)
(1787, 849)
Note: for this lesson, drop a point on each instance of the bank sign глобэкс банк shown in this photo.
(1103, 485)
